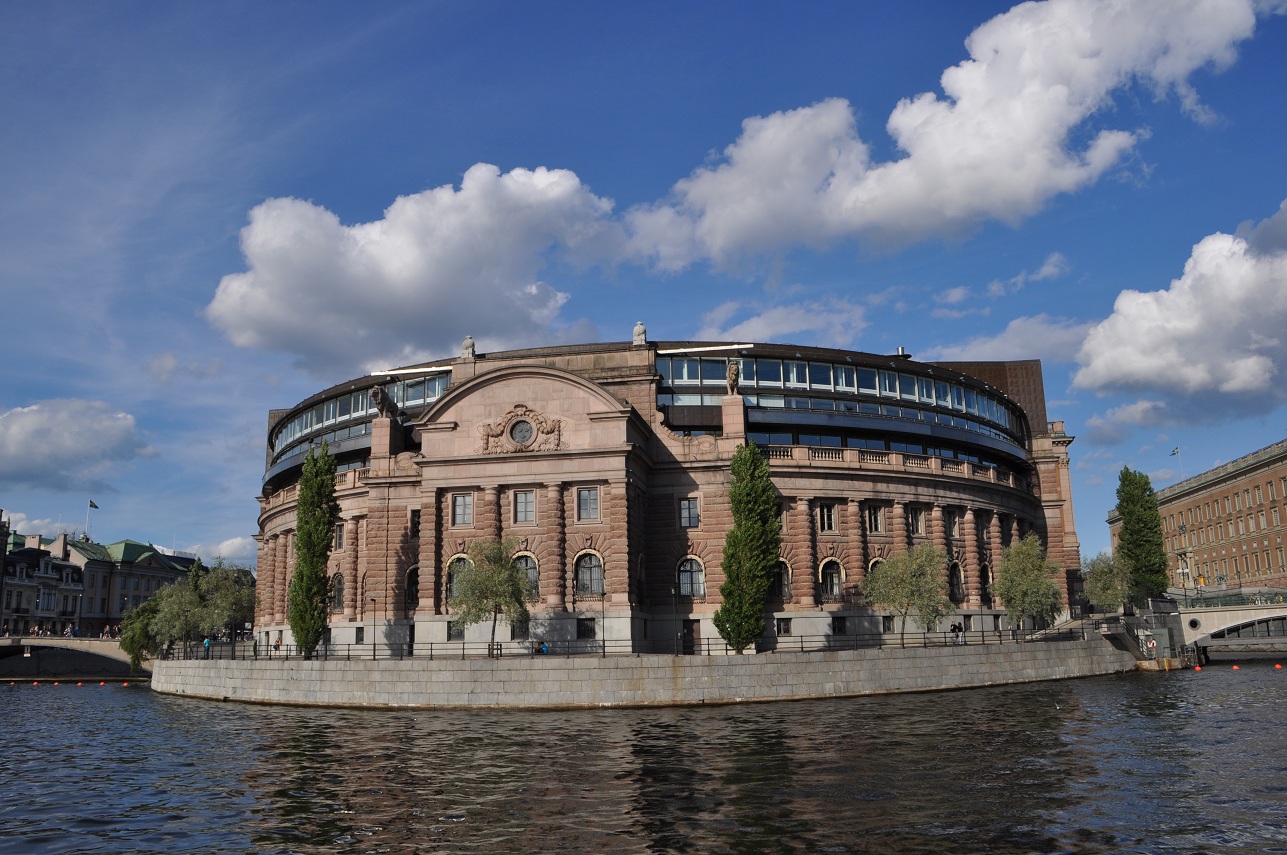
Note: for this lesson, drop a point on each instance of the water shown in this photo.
(1187, 762)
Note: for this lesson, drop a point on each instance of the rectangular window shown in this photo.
(889, 384)
(1261, 515)
(782, 626)
(820, 375)
(1274, 511)
(839, 626)
(1258, 500)
(455, 630)
(917, 519)
(875, 519)
(826, 517)
(769, 372)
(795, 374)
(867, 380)
(462, 509)
(844, 377)
(689, 514)
(339, 536)
(525, 506)
(413, 526)
(586, 628)
(587, 503)
(359, 637)
(886, 623)
(1269, 486)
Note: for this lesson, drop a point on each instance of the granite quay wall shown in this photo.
(643, 680)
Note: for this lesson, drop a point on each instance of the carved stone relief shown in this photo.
(521, 430)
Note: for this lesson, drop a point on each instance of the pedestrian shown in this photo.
(206, 643)
(277, 646)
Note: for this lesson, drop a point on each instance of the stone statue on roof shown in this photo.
(732, 377)
(467, 348)
(641, 334)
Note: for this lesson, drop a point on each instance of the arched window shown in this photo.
(337, 592)
(955, 584)
(588, 575)
(528, 565)
(784, 580)
(452, 586)
(692, 578)
(413, 587)
(830, 577)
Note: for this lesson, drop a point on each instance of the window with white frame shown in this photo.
(829, 578)
(524, 506)
(916, 519)
(462, 509)
(588, 575)
(339, 536)
(692, 579)
(827, 516)
(454, 569)
(689, 513)
(587, 503)
(527, 564)
(875, 519)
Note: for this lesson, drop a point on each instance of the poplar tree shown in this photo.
(1139, 542)
(1025, 582)
(750, 549)
(911, 581)
(316, 513)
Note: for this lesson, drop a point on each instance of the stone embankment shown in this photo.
(642, 680)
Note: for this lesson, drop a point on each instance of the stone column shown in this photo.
(429, 548)
(898, 527)
(616, 555)
(489, 515)
(348, 567)
(803, 545)
(994, 534)
(856, 532)
(265, 580)
(554, 557)
(938, 534)
(971, 567)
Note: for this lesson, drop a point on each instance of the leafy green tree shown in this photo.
(1139, 541)
(316, 513)
(750, 549)
(1108, 580)
(911, 581)
(137, 638)
(491, 583)
(1025, 583)
(228, 598)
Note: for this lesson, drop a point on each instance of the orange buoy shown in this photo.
(80, 684)
(102, 684)
(1235, 667)
(126, 684)
(35, 682)
(1197, 667)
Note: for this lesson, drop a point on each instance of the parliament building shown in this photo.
(608, 466)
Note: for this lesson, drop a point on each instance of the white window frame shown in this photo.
(583, 513)
(462, 509)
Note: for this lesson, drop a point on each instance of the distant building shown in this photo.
(63, 584)
(1223, 528)
(609, 466)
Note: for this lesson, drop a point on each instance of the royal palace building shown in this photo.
(1223, 529)
(608, 466)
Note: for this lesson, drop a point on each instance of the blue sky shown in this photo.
(211, 210)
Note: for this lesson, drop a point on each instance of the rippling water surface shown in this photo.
(1188, 762)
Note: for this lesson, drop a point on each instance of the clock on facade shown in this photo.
(521, 432)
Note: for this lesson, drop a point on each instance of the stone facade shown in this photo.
(1223, 528)
(609, 465)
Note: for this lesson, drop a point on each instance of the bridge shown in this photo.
(108, 647)
(1235, 620)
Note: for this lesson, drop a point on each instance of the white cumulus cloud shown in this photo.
(996, 146)
(1213, 342)
(66, 444)
(439, 265)
(829, 322)
(1037, 337)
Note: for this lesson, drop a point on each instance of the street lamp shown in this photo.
(372, 600)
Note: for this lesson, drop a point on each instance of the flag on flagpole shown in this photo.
(92, 505)
(1174, 451)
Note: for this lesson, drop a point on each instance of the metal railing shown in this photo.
(430, 650)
